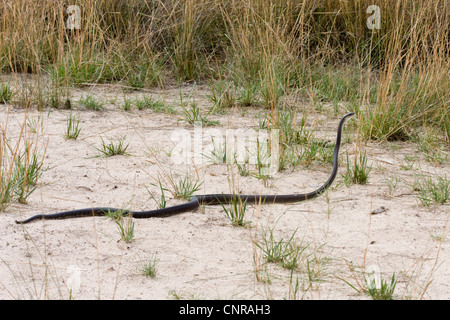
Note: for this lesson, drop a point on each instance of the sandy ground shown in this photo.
(200, 255)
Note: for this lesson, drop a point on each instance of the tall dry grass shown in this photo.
(21, 161)
(398, 75)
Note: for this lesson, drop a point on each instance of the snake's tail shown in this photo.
(90, 212)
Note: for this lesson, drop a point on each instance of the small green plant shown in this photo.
(285, 253)
(125, 226)
(298, 144)
(325, 152)
(89, 102)
(28, 169)
(221, 96)
(293, 133)
(432, 191)
(262, 161)
(162, 203)
(127, 104)
(5, 93)
(175, 295)
(315, 267)
(185, 187)
(314, 150)
(236, 211)
(242, 167)
(359, 172)
(36, 124)
(193, 115)
(73, 127)
(149, 267)
(379, 289)
(432, 147)
(408, 162)
(392, 184)
(292, 253)
(218, 153)
(112, 149)
(7, 188)
(294, 286)
(148, 102)
(273, 250)
(308, 153)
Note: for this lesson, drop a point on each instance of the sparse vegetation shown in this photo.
(193, 115)
(383, 290)
(149, 267)
(162, 203)
(73, 127)
(124, 224)
(127, 103)
(111, 149)
(5, 93)
(218, 152)
(432, 190)
(235, 211)
(184, 187)
(358, 173)
(90, 102)
(148, 102)
(287, 253)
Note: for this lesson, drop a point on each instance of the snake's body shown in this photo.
(206, 199)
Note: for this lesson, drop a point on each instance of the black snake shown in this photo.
(206, 199)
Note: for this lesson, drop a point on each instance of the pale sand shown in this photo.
(200, 254)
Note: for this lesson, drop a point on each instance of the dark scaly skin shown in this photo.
(206, 199)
